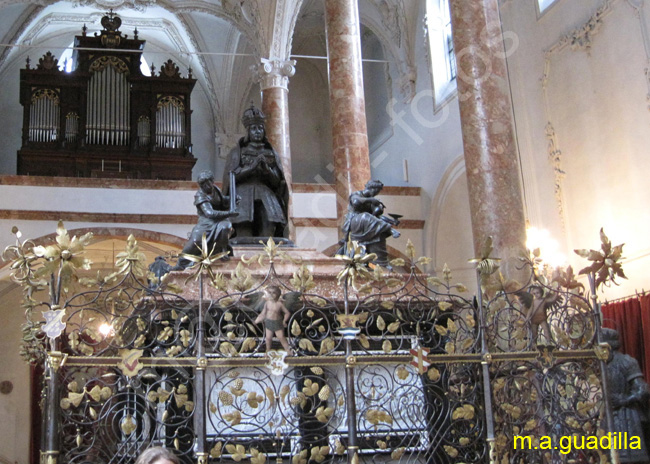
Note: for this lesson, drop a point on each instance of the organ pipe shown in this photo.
(96, 123)
(108, 105)
(44, 116)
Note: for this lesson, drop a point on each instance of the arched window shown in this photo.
(443, 58)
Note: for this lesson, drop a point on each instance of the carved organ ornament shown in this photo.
(105, 118)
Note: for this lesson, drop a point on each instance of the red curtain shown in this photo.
(631, 318)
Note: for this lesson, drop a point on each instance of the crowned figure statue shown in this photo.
(259, 179)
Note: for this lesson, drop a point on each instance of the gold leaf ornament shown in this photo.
(355, 264)
(433, 374)
(363, 339)
(284, 391)
(310, 388)
(410, 249)
(444, 305)
(323, 414)
(204, 261)
(375, 416)
(605, 262)
(132, 259)
(161, 395)
(295, 328)
(324, 393)
(128, 425)
(300, 458)
(302, 279)
(228, 349)
(387, 346)
(270, 395)
(327, 346)
(257, 457)
(233, 417)
(451, 451)
(254, 400)
(306, 345)
(242, 279)
(64, 257)
(238, 452)
(397, 453)
(318, 453)
(393, 326)
(216, 450)
(466, 412)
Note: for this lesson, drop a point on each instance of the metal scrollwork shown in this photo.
(400, 367)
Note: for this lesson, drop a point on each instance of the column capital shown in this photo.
(275, 73)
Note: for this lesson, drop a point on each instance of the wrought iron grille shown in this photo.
(398, 367)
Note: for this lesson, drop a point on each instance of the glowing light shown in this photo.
(549, 248)
(106, 329)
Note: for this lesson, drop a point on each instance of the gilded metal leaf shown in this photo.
(387, 346)
(433, 374)
(128, 425)
(393, 326)
(215, 452)
(324, 393)
(398, 453)
(363, 339)
(233, 417)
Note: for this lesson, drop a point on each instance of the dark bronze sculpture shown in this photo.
(366, 224)
(214, 211)
(628, 396)
(157, 270)
(260, 182)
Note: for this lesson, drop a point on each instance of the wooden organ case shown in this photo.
(105, 118)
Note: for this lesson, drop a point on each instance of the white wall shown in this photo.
(596, 101)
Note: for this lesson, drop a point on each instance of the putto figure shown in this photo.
(536, 305)
(213, 209)
(275, 316)
(260, 182)
(366, 224)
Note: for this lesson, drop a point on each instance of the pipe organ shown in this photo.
(105, 118)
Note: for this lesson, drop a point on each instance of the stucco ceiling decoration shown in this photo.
(138, 5)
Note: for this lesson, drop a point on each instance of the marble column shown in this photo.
(347, 103)
(491, 156)
(274, 80)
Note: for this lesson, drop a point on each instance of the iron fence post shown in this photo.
(485, 371)
(199, 384)
(350, 362)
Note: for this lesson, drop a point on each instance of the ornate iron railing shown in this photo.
(398, 367)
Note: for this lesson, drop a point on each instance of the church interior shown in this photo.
(522, 120)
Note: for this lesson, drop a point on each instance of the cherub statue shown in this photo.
(272, 315)
(536, 305)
